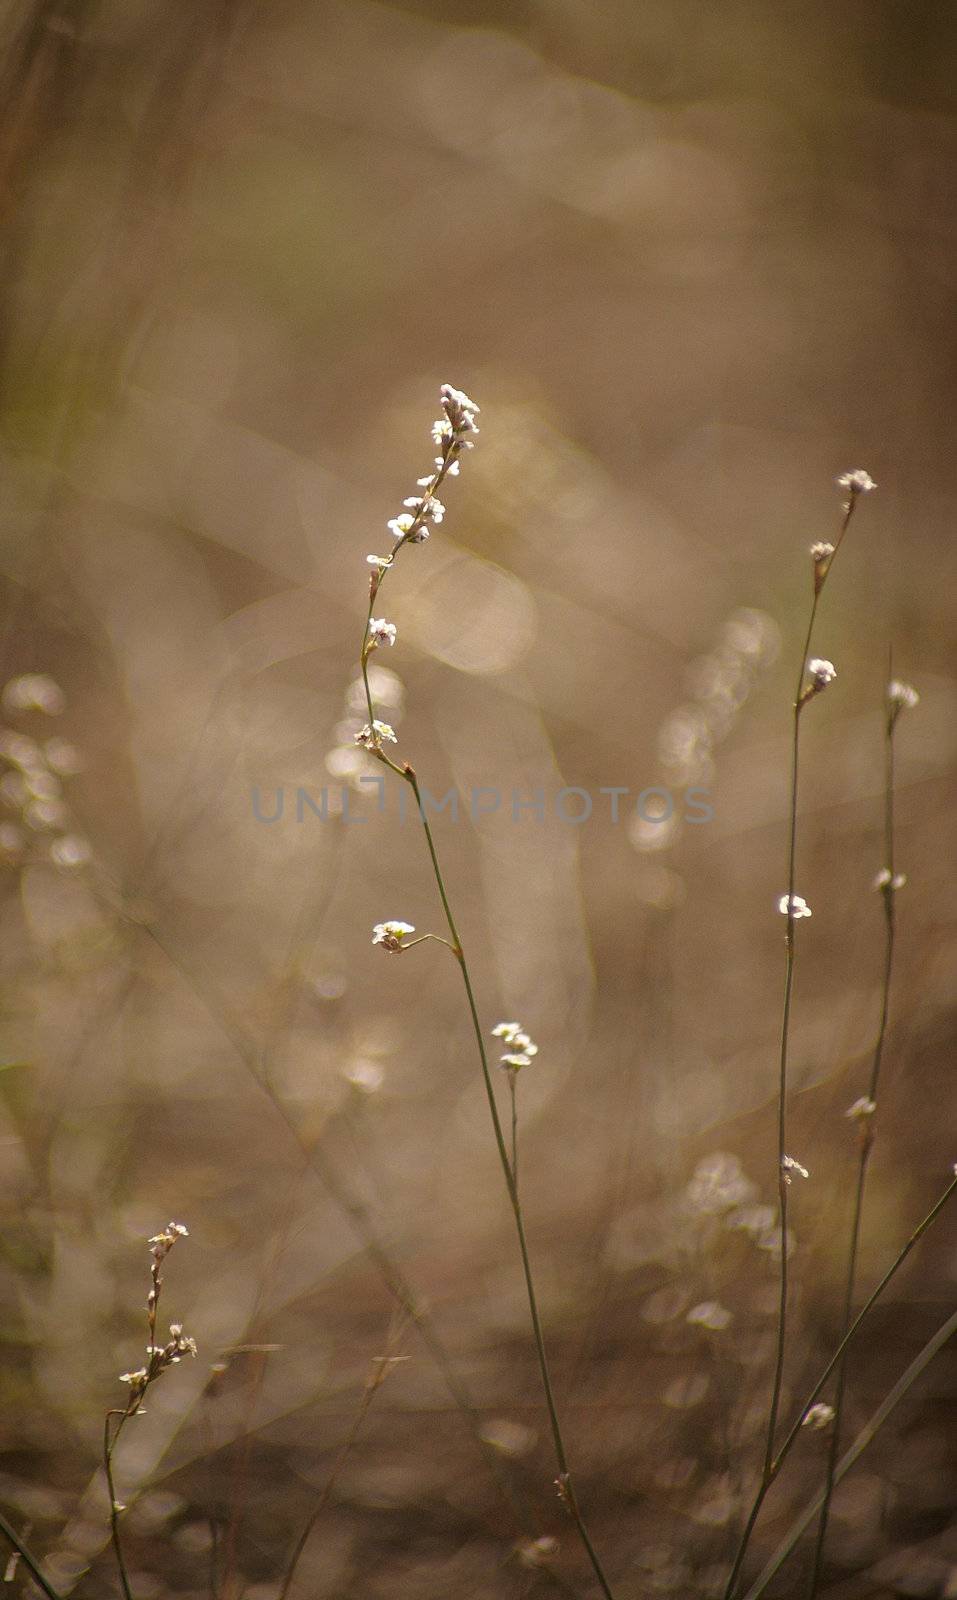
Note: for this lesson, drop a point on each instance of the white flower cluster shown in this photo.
(349, 759)
(861, 1109)
(799, 907)
(32, 775)
(521, 1048)
(710, 1314)
(789, 1166)
(818, 1417)
(856, 482)
(159, 1357)
(900, 697)
(450, 434)
(380, 632)
(821, 673)
(369, 737)
(889, 881)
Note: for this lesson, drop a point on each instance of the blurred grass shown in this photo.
(693, 263)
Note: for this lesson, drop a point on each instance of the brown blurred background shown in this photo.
(693, 262)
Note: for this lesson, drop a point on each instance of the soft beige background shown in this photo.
(693, 262)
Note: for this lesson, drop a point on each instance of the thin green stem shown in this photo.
(424, 938)
(512, 1084)
(800, 700)
(783, 1177)
(832, 1364)
(373, 1384)
(867, 1433)
(109, 1445)
(867, 1145)
(565, 1486)
(29, 1561)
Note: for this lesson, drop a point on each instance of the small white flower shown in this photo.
(789, 1165)
(901, 696)
(818, 1417)
(34, 691)
(380, 631)
(369, 738)
(62, 757)
(460, 410)
(709, 1314)
(856, 482)
(70, 851)
(887, 880)
(399, 526)
(821, 672)
(861, 1109)
(800, 908)
(381, 562)
(821, 551)
(391, 934)
(366, 1076)
(521, 1047)
(536, 1552)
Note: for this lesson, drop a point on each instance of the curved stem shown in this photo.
(867, 1145)
(835, 1359)
(565, 1486)
(564, 1482)
(109, 1445)
(917, 1366)
(800, 700)
(29, 1561)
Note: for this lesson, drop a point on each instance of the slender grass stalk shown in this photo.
(823, 556)
(110, 1440)
(159, 1358)
(318, 1161)
(29, 1561)
(903, 1384)
(512, 1084)
(380, 1369)
(450, 434)
(829, 1369)
(888, 882)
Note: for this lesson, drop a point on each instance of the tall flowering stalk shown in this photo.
(814, 676)
(159, 1359)
(452, 435)
(899, 697)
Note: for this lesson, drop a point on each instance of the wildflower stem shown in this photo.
(783, 1180)
(29, 1561)
(564, 1479)
(565, 1487)
(800, 700)
(867, 1145)
(380, 1370)
(834, 1361)
(512, 1086)
(867, 1433)
(109, 1445)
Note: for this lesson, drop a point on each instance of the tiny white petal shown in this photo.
(800, 906)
